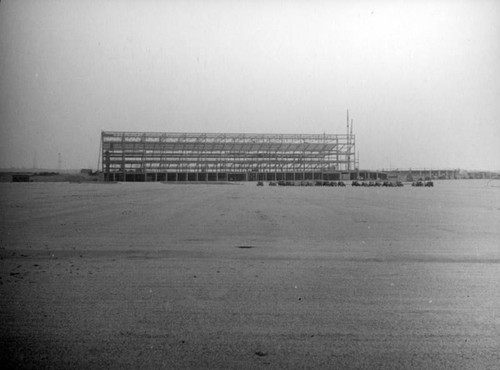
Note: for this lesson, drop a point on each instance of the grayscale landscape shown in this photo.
(138, 144)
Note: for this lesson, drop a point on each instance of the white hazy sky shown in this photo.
(421, 79)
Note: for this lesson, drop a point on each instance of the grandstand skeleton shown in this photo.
(151, 156)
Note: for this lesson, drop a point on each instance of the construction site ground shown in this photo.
(152, 275)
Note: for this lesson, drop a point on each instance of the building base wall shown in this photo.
(238, 176)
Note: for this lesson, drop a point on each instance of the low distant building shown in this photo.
(21, 178)
(422, 174)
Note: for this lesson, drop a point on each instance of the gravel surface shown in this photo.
(151, 275)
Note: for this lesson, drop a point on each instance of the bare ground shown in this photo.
(219, 276)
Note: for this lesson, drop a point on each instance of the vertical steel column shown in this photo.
(123, 159)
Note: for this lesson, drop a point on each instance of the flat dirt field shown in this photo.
(152, 275)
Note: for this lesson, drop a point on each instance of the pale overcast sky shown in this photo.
(421, 79)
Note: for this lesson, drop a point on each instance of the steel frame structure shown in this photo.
(156, 156)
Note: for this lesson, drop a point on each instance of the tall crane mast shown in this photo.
(348, 156)
(350, 146)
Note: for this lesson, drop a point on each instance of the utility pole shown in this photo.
(35, 160)
(59, 161)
